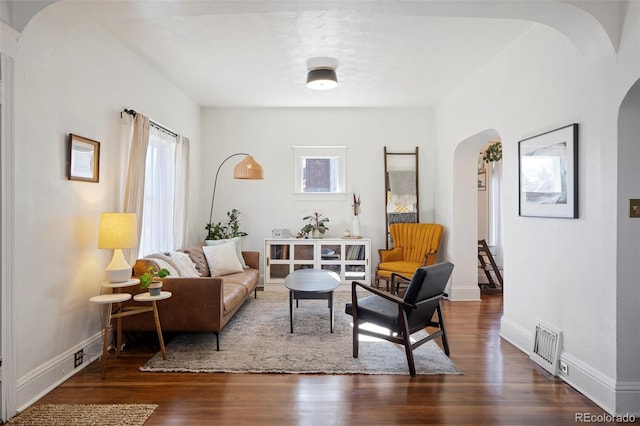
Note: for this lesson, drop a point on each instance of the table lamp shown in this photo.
(118, 231)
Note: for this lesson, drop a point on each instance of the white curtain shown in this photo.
(134, 186)
(159, 189)
(156, 187)
(495, 211)
(181, 191)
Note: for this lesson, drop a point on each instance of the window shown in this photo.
(159, 193)
(320, 172)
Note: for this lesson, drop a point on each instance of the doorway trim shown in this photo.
(7, 320)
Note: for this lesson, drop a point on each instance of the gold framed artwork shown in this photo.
(83, 159)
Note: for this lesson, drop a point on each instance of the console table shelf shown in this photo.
(349, 258)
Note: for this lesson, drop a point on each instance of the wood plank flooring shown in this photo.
(500, 386)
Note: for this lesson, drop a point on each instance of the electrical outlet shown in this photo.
(78, 358)
(564, 368)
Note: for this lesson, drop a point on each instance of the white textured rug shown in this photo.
(257, 340)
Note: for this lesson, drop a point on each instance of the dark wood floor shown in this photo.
(500, 386)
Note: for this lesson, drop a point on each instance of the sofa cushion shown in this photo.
(222, 259)
(233, 296)
(246, 278)
(199, 260)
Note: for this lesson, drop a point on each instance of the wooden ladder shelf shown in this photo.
(488, 265)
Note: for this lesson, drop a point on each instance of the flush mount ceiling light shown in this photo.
(322, 78)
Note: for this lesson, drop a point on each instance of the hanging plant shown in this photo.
(492, 153)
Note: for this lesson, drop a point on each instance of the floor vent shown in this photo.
(546, 348)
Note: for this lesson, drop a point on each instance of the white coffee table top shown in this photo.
(312, 280)
(111, 298)
(146, 297)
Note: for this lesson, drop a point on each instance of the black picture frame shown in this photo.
(83, 159)
(548, 174)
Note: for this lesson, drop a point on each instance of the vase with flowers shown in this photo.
(355, 232)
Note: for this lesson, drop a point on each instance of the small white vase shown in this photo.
(355, 229)
(316, 233)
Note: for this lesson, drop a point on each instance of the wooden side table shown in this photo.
(147, 297)
(117, 288)
(109, 300)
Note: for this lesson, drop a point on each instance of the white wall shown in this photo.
(559, 271)
(72, 78)
(269, 134)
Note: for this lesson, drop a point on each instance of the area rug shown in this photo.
(258, 340)
(85, 414)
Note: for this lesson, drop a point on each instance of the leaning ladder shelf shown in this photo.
(490, 268)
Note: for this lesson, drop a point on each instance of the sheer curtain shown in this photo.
(156, 187)
(134, 187)
(495, 211)
(181, 188)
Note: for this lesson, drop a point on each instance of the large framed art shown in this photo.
(548, 173)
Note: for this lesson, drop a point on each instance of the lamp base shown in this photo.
(118, 270)
(119, 276)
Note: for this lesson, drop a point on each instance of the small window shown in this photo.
(320, 172)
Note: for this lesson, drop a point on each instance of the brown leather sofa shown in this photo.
(197, 304)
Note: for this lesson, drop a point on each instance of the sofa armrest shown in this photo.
(195, 304)
(252, 259)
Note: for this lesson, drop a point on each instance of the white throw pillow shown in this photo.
(237, 241)
(222, 259)
(184, 265)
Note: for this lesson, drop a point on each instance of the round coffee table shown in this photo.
(311, 284)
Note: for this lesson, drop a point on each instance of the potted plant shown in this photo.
(152, 280)
(223, 231)
(316, 226)
(492, 153)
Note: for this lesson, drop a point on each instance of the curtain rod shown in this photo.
(151, 122)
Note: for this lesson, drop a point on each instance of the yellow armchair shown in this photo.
(415, 245)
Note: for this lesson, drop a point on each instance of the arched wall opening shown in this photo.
(628, 246)
(463, 232)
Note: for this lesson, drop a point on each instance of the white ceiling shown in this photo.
(260, 59)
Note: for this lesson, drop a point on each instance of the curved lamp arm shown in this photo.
(215, 183)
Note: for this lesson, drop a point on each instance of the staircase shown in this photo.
(488, 265)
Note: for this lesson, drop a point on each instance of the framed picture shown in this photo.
(83, 161)
(482, 180)
(548, 174)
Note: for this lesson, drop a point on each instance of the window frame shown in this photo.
(300, 153)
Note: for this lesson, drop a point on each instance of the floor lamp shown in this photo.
(248, 168)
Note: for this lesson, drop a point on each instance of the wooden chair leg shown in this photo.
(354, 313)
(406, 337)
(445, 343)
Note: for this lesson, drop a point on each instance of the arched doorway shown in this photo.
(628, 237)
(490, 243)
(464, 227)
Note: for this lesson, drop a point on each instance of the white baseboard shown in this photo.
(464, 293)
(621, 398)
(42, 380)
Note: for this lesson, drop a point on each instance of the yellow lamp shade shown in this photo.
(118, 231)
